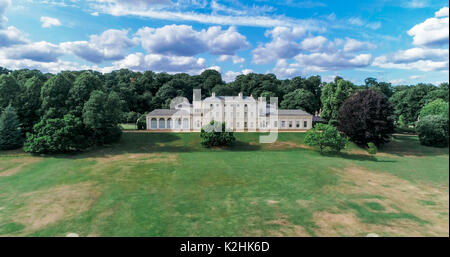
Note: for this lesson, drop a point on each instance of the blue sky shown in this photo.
(402, 41)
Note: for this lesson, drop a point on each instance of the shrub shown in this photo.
(57, 135)
(10, 134)
(372, 148)
(325, 137)
(366, 117)
(141, 123)
(433, 130)
(215, 134)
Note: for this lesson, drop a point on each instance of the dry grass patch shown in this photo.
(16, 165)
(286, 228)
(398, 194)
(45, 207)
(286, 145)
(138, 157)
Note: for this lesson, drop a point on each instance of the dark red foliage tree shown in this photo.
(366, 117)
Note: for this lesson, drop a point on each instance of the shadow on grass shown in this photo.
(408, 145)
(355, 157)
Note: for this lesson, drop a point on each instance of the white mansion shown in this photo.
(240, 113)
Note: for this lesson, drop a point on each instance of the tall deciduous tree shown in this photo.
(79, 94)
(299, 99)
(366, 117)
(30, 103)
(10, 134)
(54, 94)
(101, 115)
(333, 96)
(437, 107)
(433, 130)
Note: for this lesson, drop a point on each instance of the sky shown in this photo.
(398, 41)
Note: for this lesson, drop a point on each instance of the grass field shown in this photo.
(156, 184)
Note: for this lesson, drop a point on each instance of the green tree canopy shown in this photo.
(215, 134)
(436, 107)
(326, 137)
(333, 96)
(433, 130)
(299, 99)
(54, 94)
(10, 134)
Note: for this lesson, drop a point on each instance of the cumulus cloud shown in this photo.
(431, 32)
(11, 36)
(231, 75)
(160, 63)
(38, 51)
(236, 59)
(48, 22)
(110, 45)
(317, 62)
(353, 45)
(443, 12)
(183, 40)
(52, 67)
(422, 59)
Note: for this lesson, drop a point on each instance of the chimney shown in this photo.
(213, 94)
(262, 99)
(240, 95)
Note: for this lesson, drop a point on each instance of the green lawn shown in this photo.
(166, 184)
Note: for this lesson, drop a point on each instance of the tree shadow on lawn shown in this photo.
(407, 145)
(355, 157)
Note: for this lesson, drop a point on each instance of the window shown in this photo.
(237, 124)
(185, 123)
(217, 105)
(169, 123)
(275, 124)
(290, 124)
(305, 124)
(251, 124)
(198, 124)
(153, 123)
(162, 123)
(283, 123)
(297, 124)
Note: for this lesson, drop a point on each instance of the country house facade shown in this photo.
(240, 113)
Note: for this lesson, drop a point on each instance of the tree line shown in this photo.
(74, 110)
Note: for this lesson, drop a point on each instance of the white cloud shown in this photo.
(231, 75)
(317, 62)
(52, 67)
(443, 12)
(160, 63)
(48, 22)
(11, 36)
(353, 45)
(431, 32)
(37, 51)
(110, 45)
(120, 8)
(236, 59)
(183, 40)
(422, 65)
(417, 3)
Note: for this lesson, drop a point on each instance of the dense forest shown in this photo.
(90, 104)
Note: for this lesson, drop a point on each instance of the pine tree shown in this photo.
(10, 135)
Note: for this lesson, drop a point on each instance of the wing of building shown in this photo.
(240, 113)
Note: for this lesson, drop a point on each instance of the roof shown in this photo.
(292, 112)
(230, 98)
(166, 112)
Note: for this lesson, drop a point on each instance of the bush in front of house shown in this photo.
(326, 137)
(215, 134)
(433, 130)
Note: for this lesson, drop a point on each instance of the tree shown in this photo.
(54, 135)
(101, 115)
(333, 96)
(436, 107)
(215, 134)
(408, 101)
(326, 137)
(54, 94)
(30, 104)
(9, 91)
(82, 88)
(299, 99)
(10, 134)
(366, 117)
(433, 130)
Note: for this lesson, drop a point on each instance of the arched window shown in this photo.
(169, 123)
(162, 123)
(153, 122)
(185, 123)
(178, 123)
